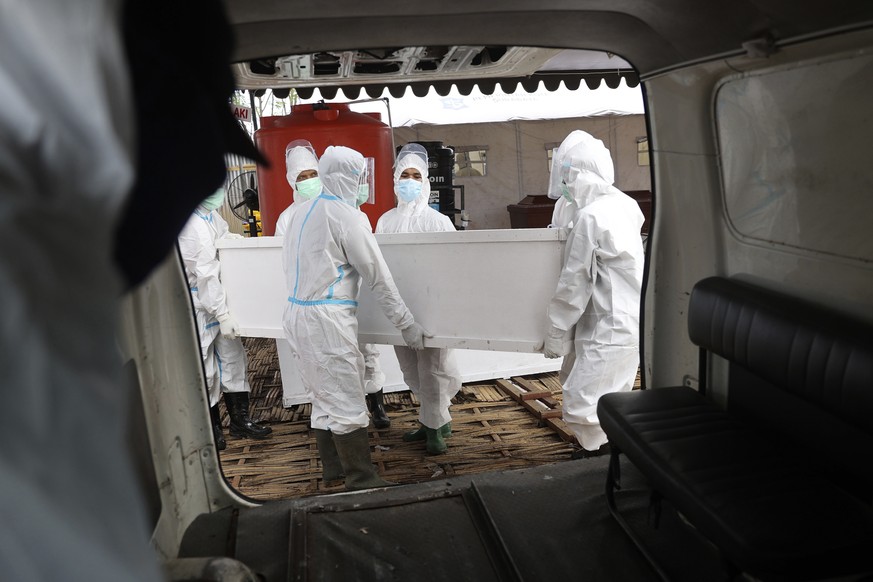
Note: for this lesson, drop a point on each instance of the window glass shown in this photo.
(471, 160)
(793, 153)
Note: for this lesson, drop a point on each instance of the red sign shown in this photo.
(241, 112)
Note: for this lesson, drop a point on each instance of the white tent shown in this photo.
(477, 107)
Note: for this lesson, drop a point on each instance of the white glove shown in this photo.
(233, 235)
(228, 326)
(414, 336)
(555, 343)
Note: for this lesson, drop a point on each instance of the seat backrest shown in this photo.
(798, 369)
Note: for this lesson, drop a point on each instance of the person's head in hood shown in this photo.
(411, 182)
(586, 172)
(301, 170)
(343, 173)
(574, 138)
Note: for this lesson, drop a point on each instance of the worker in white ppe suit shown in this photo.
(329, 249)
(71, 506)
(301, 171)
(598, 291)
(431, 373)
(224, 357)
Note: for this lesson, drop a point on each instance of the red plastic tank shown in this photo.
(322, 124)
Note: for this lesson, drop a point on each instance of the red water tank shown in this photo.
(322, 124)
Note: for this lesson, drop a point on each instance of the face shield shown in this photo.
(559, 154)
(366, 183)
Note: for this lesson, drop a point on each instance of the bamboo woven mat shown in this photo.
(491, 431)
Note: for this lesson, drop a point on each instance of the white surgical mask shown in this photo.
(407, 189)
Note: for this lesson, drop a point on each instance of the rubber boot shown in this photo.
(220, 443)
(331, 467)
(354, 453)
(377, 410)
(435, 443)
(240, 423)
(420, 434)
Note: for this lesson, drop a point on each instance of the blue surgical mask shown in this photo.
(408, 189)
(310, 188)
(214, 200)
(565, 192)
(363, 193)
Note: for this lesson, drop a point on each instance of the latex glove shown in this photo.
(228, 325)
(554, 345)
(233, 235)
(414, 336)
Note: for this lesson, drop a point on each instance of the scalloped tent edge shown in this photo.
(530, 84)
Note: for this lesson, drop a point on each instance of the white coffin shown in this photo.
(484, 291)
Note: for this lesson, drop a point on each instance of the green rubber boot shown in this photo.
(420, 433)
(331, 466)
(435, 443)
(354, 453)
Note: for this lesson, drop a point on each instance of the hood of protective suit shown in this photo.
(587, 171)
(574, 138)
(299, 159)
(409, 159)
(341, 170)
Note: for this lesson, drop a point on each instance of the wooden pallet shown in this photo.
(541, 400)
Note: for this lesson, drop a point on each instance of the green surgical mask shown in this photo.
(363, 193)
(310, 188)
(214, 200)
(565, 192)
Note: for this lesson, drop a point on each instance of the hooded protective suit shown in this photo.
(432, 372)
(598, 290)
(299, 157)
(328, 250)
(224, 357)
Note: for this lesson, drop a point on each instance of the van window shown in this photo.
(793, 149)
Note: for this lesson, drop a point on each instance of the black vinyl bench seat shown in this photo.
(761, 494)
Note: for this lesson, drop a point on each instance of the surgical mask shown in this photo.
(408, 189)
(565, 192)
(214, 200)
(310, 188)
(363, 193)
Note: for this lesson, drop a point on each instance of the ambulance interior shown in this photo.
(757, 124)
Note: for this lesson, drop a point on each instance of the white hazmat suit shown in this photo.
(224, 356)
(431, 373)
(598, 290)
(71, 508)
(328, 250)
(299, 157)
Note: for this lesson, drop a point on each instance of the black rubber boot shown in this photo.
(220, 443)
(354, 453)
(377, 410)
(331, 466)
(420, 434)
(240, 423)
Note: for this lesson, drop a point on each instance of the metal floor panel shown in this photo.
(547, 522)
